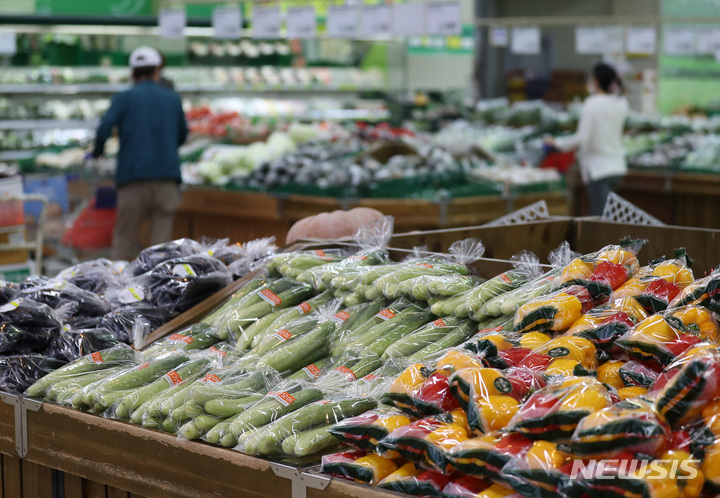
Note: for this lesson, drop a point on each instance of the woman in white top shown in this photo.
(598, 139)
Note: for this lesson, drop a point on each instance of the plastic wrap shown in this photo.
(270, 441)
(358, 466)
(117, 356)
(553, 412)
(568, 356)
(18, 372)
(152, 256)
(428, 483)
(291, 265)
(320, 277)
(428, 334)
(57, 293)
(347, 368)
(390, 285)
(702, 292)
(426, 440)
(285, 398)
(485, 456)
(543, 471)
(509, 302)
(555, 312)
(179, 284)
(253, 253)
(93, 276)
(73, 344)
(365, 430)
(629, 426)
(660, 338)
(657, 285)
(195, 337)
(27, 326)
(8, 292)
(132, 319)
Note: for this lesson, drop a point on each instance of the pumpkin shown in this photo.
(333, 225)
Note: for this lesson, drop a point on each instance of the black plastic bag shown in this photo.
(57, 293)
(18, 372)
(8, 291)
(92, 276)
(73, 344)
(152, 256)
(122, 321)
(27, 326)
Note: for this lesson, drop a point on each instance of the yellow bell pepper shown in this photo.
(410, 380)
(609, 373)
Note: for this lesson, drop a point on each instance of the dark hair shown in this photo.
(143, 72)
(607, 78)
(163, 60)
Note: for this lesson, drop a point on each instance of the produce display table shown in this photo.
(247, 215)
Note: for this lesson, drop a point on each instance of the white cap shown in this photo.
(145, 57)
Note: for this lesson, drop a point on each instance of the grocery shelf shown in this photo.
(46, 124)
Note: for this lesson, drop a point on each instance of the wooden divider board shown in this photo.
(143, 461)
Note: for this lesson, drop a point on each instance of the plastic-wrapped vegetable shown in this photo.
(703, 292)
(125, 320)
(485, 456)
(556, 312)
(428, 334)
(253, 253)
(383, 335)
(73, 344)
(347, 368)
(196, 337)
(179, 284)
(152, 256)
(632, 426)
(428, 483)
(543, 471)
(93, 276)
(426, 440)
(366, 430)
(569, 355)
(19, 372)
(659, 339)
(8, 292)
(56, 293)
(323, 413)
(553, 412)
(27, 326)
(292, 265)
(656, 285)
(358, 466)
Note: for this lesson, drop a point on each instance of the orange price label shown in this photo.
(385, 314)
(180, 338)
(439, 323)
(143, 366)
(303, 308)
(505, 278)
(283, 335)
(347, 373)
(341, 316)
(210, 378)
(270, 297)
(320, 252)
(173, 378)
(216, 351)
(425, 265)
(312, 371)
(96, 358)
(283, 397)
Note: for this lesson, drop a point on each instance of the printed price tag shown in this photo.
(217, 352)
(505, 278)
(312, 371)
(9, 306)
(172, 23)
(96, 358)
(210, 378)
(708, 40)
(341, 21)
(266, 22)
(143, 366)
(525, 40)
(303, 308)
(347, 373)
(270, 297)
(376, 20)
(439, 323)
(357, 257)
(369, 377)
(425, 265)
(341, 316)
(678, 40)
(590, 39)
(489, 331)
(408, 19)
(178, 338)
(283, 397)
(173, 378)
(499, 37)
(131, 295)
(283, 335)
(227, 24)
(301, 22)
(385, 314)
(184, 270)
(640, 40)
(443, 18)
(320, 253)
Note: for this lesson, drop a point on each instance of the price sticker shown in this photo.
(376, 20)
(283, 397)
(342, 21)
(227, 24)
(266, 22)
(301, 22)
(172, 23)
(443, 18)
(408, 19)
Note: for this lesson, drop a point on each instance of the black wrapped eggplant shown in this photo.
(27, 326)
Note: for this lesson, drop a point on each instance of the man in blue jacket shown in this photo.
(151, 126)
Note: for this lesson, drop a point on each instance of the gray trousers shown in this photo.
(155, 201)
(598, 192)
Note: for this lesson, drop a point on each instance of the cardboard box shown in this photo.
(12, 236)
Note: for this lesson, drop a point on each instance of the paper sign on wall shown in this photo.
(590, 39)
(342, 21)
(640, 40)
(614, 40)
(227, 23)
(525, 40)
(301, 22)
(172, 23)
(678, 40)
(8, 43)
(499, 37)
(708, 39)
(443, 18)
(376, 20)
(266, 22)
(408, 19)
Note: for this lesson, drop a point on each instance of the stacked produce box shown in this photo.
(432, 381)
